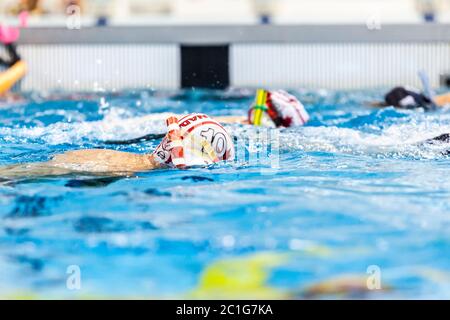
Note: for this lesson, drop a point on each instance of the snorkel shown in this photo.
(262, 113)
(429, 92)
(260, 107)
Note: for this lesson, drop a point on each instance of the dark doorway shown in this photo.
(205, 67)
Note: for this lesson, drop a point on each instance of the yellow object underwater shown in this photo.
(260, 106)
(12, 75)
(247, 277)
(240, 278)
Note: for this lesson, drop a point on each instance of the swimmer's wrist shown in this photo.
(153, 162)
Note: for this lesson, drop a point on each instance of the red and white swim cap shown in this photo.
(194, 140)
(283, 109)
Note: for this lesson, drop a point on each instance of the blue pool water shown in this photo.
(354, 189)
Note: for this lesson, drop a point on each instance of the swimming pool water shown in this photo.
(355, 189)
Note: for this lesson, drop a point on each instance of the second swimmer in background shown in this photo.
(411, 98)
(275, 109)
(272, 109)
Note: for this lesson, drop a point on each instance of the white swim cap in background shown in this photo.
(282, 110)
(194, 140)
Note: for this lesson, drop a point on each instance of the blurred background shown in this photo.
(150, 12)
(332, 46)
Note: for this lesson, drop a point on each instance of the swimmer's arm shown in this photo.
(442, 100)
(94, 162)
(106, 161)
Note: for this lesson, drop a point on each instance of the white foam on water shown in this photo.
(405, 139)
(400, 139)
(112, 127)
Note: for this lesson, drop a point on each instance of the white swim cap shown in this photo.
(282, 110)
(194, 140)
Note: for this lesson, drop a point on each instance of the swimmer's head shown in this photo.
(277, 109)
(407, 98)
(194, 140)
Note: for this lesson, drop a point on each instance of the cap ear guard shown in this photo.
(174, 136)
(203, 149)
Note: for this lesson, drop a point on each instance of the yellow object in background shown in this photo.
(260, 106)
(11, 76)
